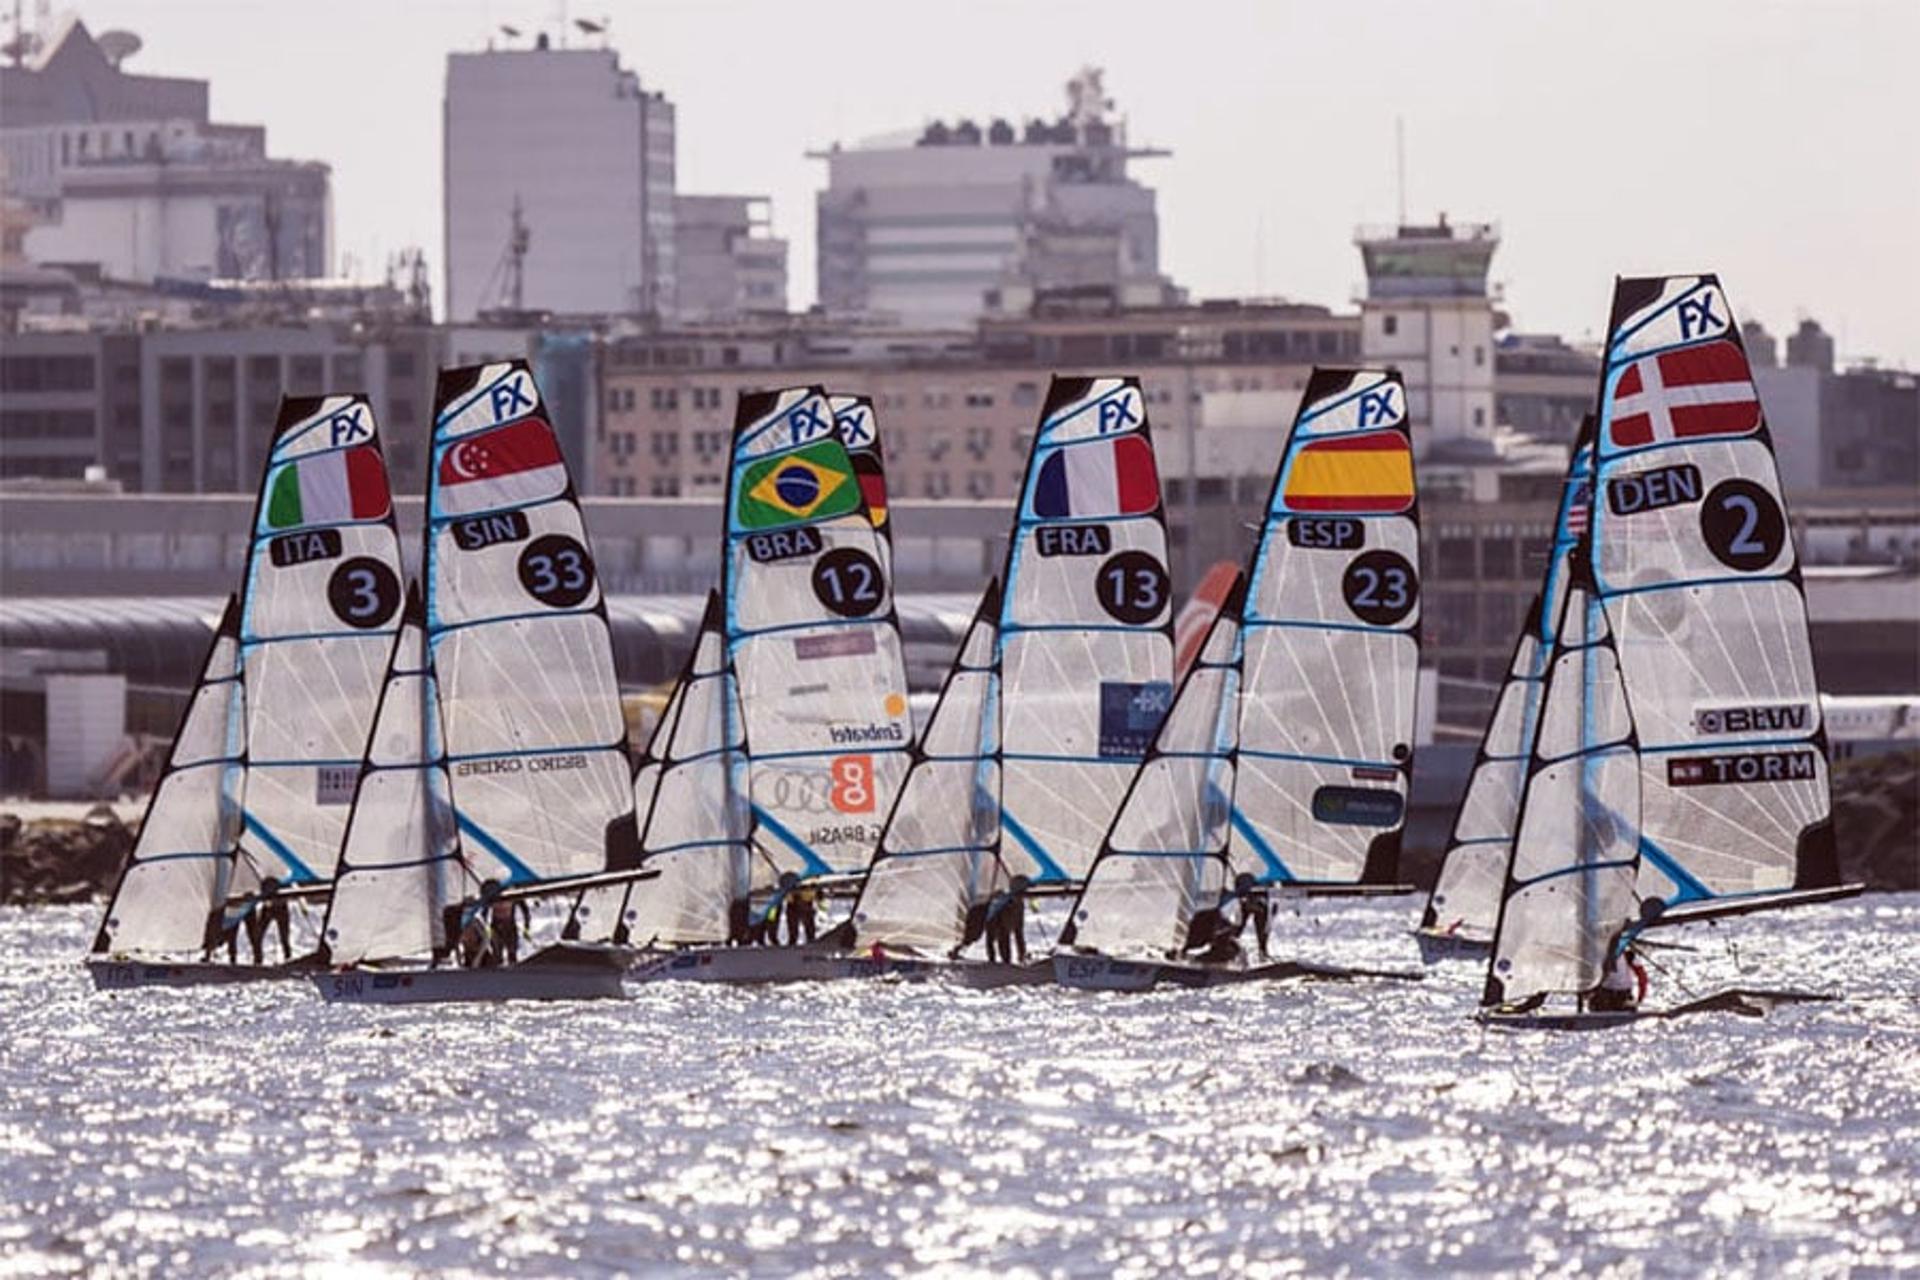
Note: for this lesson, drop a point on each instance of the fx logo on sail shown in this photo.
(1377, 408)
(510, 397)
(1697, 316)
(1118, 413)
(856, 427)
(804, 422)
(349, 426)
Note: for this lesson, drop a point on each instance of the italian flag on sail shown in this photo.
(328, 488)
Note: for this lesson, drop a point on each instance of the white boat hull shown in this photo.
(1742, 1001)
(130, 975)
(557, 973)
(1437, 946)
(773, 964)
(991, 975)
(1105, 973)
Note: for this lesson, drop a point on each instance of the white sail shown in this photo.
(400, 864)
(1465, 901)
(518, 640)
(1331, 649)
(814, 641)
(1569, 888)
(318, 615)
(1085, 629)
(1165, 859)
(1696, 565)
(694, 820)
(182, 859)
(937, 861)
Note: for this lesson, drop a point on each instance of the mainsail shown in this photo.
(1331, 643)
(517, 638)
(691, 800)
(1085, 644)
(1465, 902)
(1694, 560)
(938, 854)
(400, 864)
(319, 611)
(812, 635)
(1165, 859)
(1569, 888)
(182, 859)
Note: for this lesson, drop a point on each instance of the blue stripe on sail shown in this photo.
(816, 866)
(1276, 869)
(1620, 338)
(1049, 869)
(300, 871)
(1690, 887)
(1060, 420)
(1575, 869)
(518, 872)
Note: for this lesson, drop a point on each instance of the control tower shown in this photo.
(1428, 312)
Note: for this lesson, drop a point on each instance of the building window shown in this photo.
(1479, 356)
(1389, 324)
(1479, 415)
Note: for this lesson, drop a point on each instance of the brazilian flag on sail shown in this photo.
(812, 483)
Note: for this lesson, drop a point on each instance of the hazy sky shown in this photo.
(1777, 143)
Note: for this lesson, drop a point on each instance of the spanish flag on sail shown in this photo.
(1367, 472)
(813, 483)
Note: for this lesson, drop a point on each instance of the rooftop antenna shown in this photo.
(1400, 163)
(517, 241)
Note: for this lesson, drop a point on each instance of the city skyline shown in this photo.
(1271, 170)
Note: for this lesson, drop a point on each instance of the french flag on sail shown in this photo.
(1703, 390)
(1097, 478)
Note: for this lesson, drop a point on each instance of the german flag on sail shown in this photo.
(814, 483)
(1366, 472)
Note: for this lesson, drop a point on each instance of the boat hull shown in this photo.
(773, 964)
(1105, 973)
(1745, 1002)
(131, 975)
(991, 975)
(1436, 946)
(556, 973)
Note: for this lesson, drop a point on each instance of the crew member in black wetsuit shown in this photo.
(476, 927)
(1007, 922)
(504, 919)
(1254, 909)
(268, 909)
(802, 914)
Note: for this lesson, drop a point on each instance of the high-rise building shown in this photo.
(1810, 347)
(128, 173)
(957, 221)
(729, 261)
(559, 185)
(1428, 311)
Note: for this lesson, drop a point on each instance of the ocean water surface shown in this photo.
(864, 1128)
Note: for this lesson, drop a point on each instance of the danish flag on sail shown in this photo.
(1704, 390)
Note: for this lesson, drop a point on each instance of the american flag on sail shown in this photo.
(1578, 507)
(1704, 390)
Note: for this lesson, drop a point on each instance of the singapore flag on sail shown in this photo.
(509, 466)
(1703, 390)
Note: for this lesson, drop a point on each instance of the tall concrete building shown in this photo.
(1428, 311)
(957, 221)
(729, 261)
(1810, 347)
(570, 140)
(129, 174)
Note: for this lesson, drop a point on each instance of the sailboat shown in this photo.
(1464, 905)
(800, 644)
(1679, 771)
(499, 772)
(1286, 758)
(309, 632)
(1054, 695)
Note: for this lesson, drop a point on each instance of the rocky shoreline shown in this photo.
(1876, 814)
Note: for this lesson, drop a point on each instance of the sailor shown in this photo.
(1624, 983)
(267, 909)
(223, 927)
(740, 922)
(1007, 922)
(765, 931)
(802, 917)
(504, 918)
(476, 919)
(1254, 909)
